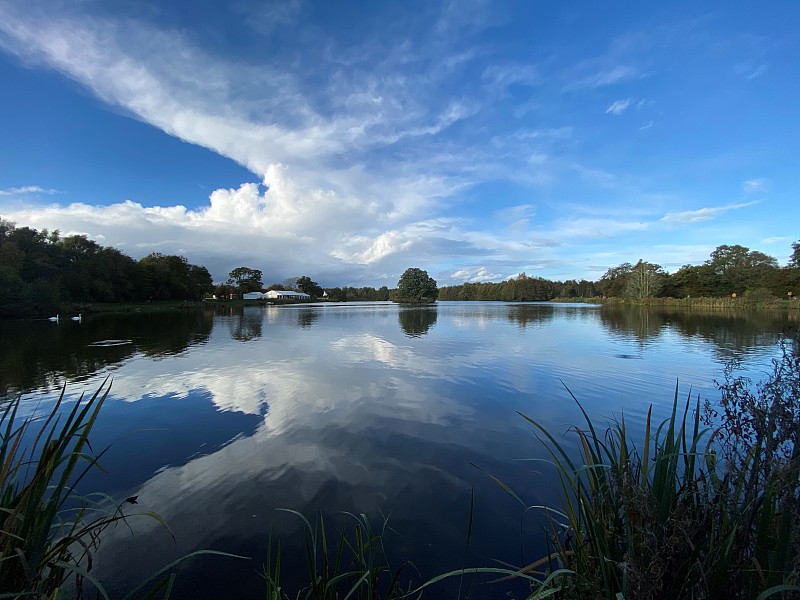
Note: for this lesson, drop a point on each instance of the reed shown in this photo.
(49, 534)
(706, 506)
(349, 564)
(40, 465)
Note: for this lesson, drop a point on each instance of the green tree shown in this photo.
(644, 281)
(415, 285)
(794, 259)
(245, 279)
(735, 269)
(613, 281)
(307, 286)
(337, 294)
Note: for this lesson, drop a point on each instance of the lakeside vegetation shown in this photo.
(704, 505)
(731, 273)
(707, 505)
(43, 273)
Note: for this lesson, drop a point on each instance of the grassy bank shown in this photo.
(688, 303)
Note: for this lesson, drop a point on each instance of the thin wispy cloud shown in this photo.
(619, 106)
(760, 185)
(700, 215)
(28, 190)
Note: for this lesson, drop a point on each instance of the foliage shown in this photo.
(307, 286)
(645, 280)
(362, 294)
(693, 512)
(415, 285)
(40, 271)
(520, 289)
(245, 279)
(168, 277)
(352, 566)
(613, 281)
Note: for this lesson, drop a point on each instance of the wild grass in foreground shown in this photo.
(707, 506)
(346, 565)
(48, 534)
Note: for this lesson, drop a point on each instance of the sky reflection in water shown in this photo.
(216, 420)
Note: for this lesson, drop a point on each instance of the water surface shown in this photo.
(218, 418)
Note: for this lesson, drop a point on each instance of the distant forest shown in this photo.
(730, 270)
(42, 272)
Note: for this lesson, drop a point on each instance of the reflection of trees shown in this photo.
(729, 330)
(40, 354)
(247, 323)
(164, 333)
(640, 322)
(307, 316)
(525, 314)
(416, 321)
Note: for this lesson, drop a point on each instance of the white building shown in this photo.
(254, 296)
(284, 295)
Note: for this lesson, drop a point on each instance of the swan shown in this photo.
(54, 319)
(78, 318)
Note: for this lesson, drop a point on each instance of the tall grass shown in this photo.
(348, 564)
(706, 506)
(48, 533)
(40, 465)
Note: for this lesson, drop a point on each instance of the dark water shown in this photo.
(217, 419)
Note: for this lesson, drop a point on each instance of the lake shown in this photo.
(219, 417)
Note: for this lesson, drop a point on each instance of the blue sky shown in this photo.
(348, 141)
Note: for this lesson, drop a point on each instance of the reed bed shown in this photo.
(707, 505)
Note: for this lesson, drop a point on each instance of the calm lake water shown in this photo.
(216, 418)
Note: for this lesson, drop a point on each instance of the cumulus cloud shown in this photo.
(618, 106)
(476, 275)
(699, 215)
(363, 148)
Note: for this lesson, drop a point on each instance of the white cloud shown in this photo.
(362, 155)
(585, 228)
(779, 239)
(759, 185)
(750, 69)
(27, 190)
(699, 215)
(476, 275)
(619, 106)
(501, 77)
(594, 74)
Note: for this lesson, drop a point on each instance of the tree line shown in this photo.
(40, 272)
(729, 271)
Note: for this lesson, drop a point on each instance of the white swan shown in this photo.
(78, 318)
(54, 319)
